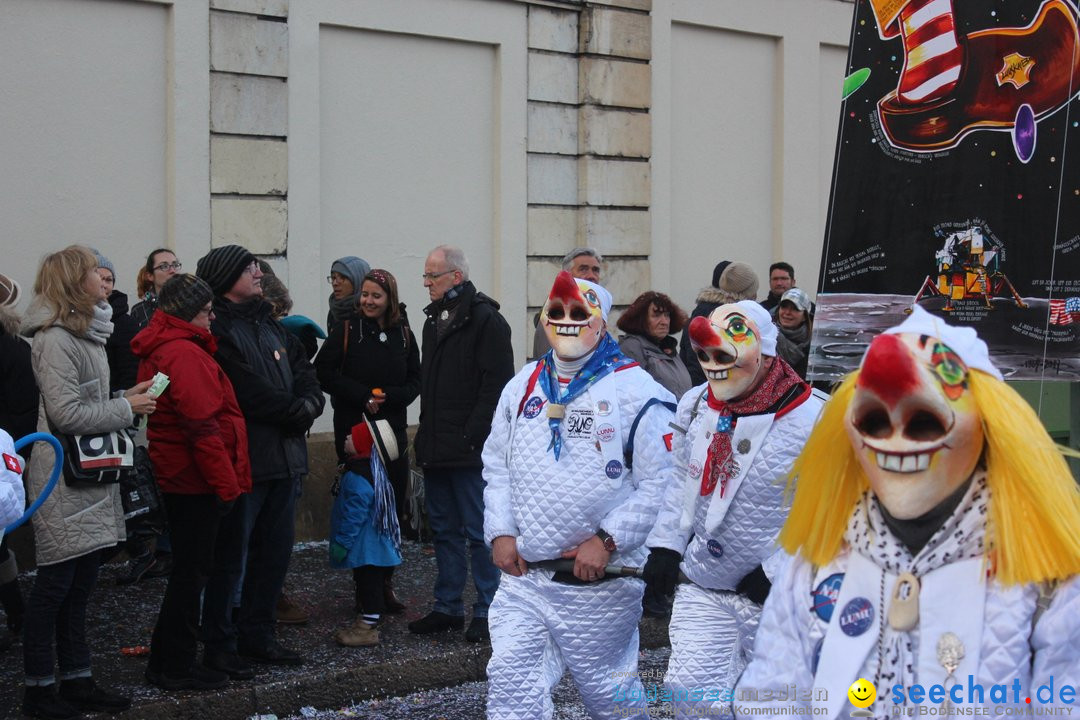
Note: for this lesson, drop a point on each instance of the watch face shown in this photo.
(609, 544)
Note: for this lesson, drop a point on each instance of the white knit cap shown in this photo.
(766, 328)
(964, 341)
(602, 294)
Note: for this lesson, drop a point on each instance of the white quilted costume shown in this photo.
(722, 540)
(540, 627)
(12, 493)
(807, 653)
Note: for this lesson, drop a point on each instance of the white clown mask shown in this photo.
(731, 347)
(574, 316)
(913, 422)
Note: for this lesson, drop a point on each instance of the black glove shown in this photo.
(224, 507)
(755, 586)
(301, 415)
(661, 572)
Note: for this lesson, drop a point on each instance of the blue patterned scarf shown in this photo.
(605, 359)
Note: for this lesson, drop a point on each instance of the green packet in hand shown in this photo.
(157, 387)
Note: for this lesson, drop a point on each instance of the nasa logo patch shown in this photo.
(533, 407)
(606, 432)
(715, 549)
(857, 617)
(613, 469)
(826, 594)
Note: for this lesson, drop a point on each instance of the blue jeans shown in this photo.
(261, 526)
(454, 498)
(57, 611)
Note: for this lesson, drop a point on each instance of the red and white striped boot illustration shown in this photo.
(951, 84)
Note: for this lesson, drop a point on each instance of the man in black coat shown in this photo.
(280, 397)
(467, 359)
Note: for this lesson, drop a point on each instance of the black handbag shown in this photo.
(95, 458)
(144, 512)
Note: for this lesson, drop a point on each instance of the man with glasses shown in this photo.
(467, 358)
(280, 397)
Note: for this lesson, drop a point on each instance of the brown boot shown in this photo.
(359, 634)
(288, 612)
(390, 600)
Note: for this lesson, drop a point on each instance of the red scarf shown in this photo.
(719, 464)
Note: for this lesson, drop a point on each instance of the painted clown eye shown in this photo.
(950, 369)
(590, 297)
(737, 328)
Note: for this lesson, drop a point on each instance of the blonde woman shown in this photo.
(70, 322)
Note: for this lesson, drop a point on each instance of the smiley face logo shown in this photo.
(861, 693)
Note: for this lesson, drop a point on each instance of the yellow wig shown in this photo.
(1034, 514)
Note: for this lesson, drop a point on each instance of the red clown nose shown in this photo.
(565, 288)
(703, 334)
(889, 369)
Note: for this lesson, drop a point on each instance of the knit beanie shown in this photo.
(104, 262)
(739, 281)
(718, 271)
(353, 268)
(9, 291)
(184, 296)
(222, 266)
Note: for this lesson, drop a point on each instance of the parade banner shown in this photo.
(956, 182)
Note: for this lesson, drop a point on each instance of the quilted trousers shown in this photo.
(712, 637)
(540, 628)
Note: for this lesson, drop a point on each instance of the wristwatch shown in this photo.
(609, 542)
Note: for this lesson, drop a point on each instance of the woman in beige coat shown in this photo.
(69, 321)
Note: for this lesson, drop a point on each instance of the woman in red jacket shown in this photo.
(198, 447)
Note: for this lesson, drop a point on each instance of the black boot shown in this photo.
(85, 694)
(41, 701)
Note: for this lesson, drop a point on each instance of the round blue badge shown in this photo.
(715, 548)
(613, 469)
(532, 408)
(857, 617)
(826, 594)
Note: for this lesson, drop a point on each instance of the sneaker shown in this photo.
(196, 678)
(137, 569)
(478, 631)
(85, 695)
(229, 663)
(273, 653)
(359, 634)
(436, 621)
(42, 701)
(288, 612)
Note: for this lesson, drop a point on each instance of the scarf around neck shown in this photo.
(961, 536)
(100, 327)
(719, 463)
(605, 359)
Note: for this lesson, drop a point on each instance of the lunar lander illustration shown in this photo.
(967, 270)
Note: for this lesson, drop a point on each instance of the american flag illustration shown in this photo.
(1065, 311)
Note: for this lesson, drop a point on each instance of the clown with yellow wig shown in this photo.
(575, 466)
(936, 534)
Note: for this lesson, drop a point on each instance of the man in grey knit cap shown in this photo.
(280, 397)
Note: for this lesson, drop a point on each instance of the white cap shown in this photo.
(765, 326)
(964, 341)
(601, 293)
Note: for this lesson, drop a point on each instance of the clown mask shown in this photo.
(728, 346)
(573, 317)
(913, 422)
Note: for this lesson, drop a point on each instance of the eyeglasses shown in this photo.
(207, 311)
(175, 265)
(434, 276)
(252, 267)
(336, 278)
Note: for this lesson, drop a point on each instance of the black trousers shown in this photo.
(193, 523)
(370, 588)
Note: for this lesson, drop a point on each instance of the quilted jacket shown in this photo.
(668, 370)
(1006, 641)
(12, 493)
(552, 506)
(73, 376)
(198, 437)
(720, 548)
